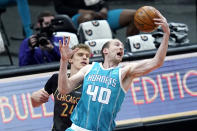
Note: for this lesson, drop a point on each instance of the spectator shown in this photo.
(23, 9)
(39, 48)
(85, 10)
(63, 107)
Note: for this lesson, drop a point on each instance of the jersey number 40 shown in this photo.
(102, 96)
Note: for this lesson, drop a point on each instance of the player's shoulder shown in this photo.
(127, 64)
(54, 76)
(86, 69)
(128, 67)
(51, 84)
(52, 80)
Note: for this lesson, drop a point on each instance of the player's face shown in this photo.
(116, 50)
(80, 59)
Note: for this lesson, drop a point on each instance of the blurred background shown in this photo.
(180, 11)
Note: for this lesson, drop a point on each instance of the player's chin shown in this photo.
(82, 65)
(119, 58)
(79, 67)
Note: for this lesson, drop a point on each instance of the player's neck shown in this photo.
(108, 64)
(73, 71)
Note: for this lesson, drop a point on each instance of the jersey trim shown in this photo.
(101, 65)
(89, 69)
(120, 79)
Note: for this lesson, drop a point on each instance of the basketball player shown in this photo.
(64, 104)
(105, 85)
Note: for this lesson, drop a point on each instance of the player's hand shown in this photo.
(65, 51)
(40, 96)
(162, 22)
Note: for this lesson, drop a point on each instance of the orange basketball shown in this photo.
(143, 19)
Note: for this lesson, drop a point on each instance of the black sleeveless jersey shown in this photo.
(64, 104)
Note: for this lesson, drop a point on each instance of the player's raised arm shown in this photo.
(143, 67)
(66, 85)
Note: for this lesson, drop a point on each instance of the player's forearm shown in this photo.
(162, 51)
(63, 81)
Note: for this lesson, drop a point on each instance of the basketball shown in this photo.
(143, 19)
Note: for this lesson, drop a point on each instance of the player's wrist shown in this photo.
(64, 60)
(167, 33)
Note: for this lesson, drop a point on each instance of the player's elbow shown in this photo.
(159, 64)
(61, 91)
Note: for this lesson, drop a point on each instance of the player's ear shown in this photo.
(105, 51)
(70, 61)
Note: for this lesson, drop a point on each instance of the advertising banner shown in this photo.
(166, 93)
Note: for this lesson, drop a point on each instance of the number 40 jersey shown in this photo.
(101, 99)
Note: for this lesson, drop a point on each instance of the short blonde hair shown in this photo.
(82, 46)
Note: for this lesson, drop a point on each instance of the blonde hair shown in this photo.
(82, 46)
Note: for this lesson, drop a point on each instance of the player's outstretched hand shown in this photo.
(65, 52)
(162, 22)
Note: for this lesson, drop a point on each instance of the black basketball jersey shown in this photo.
(64, 104)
